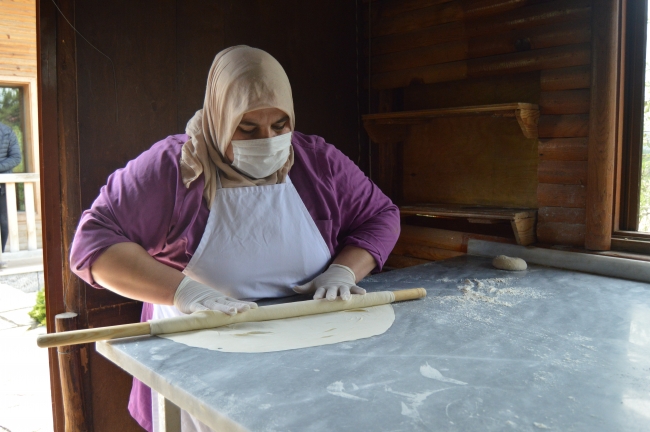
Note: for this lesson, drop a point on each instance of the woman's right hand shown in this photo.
(192, 296)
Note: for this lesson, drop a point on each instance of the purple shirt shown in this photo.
(147, 203)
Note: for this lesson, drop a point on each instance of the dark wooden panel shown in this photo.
(562, 172)
(563, 126)
(519, 62)
(565, 102)
(441, 239)
(448, 32)
(477, 91)
(460, 160)
(197, 42)
(524, 19)
(578, 77)
(424, 251)
(319, 56)
(111, 389)
(561, 234)
(144, 54)
(561, 215)
(417, 19)
(519, 40)
(480, 9)
(399, 261)
(526, 61)
(572, 149)
(530, 38)
(555, 195)
(434, 54)
(114, 314)
(391, 8)
(543, 14)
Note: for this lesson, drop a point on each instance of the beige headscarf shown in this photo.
(241, 79)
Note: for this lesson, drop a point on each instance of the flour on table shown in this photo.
(291, 333)
(429, 372)
(338, 389)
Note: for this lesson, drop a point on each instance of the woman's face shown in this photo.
(261, 123)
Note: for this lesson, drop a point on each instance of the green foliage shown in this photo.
(644, 199)
(10, 98)
(38, 312)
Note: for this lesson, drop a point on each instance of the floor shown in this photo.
(25, 403)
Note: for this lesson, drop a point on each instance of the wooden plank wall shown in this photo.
(443, 53)
(18, 38)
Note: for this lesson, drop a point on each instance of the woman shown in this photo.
(240, 208)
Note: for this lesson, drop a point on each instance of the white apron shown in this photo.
(258, 243)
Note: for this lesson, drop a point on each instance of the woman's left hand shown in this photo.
(336, 280)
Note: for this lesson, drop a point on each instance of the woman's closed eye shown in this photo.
(279, 126)
(247, 129)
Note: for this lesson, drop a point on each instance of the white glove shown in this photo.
(192, 296)
(337, 279)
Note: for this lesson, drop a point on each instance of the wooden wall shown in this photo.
(426, 54)
(161, 51)
(18, 38)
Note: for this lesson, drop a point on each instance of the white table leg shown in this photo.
(169, 415)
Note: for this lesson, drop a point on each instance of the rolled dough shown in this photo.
(509, 263)
(291, 333)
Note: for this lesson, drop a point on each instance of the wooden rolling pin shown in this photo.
(212, 319)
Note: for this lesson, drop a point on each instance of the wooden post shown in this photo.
(12, 217)
(71, 378)
(602, 125)
(30, 216)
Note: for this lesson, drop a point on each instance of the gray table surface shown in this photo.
(543, 349)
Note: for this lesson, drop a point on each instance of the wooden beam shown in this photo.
(558, 195)
(570, 149)
(602, 125)
(578, 77)
(561, 215)
(562, 172)
(400, 261)
(561, 234)
(565, 102)
(511, 63)
(74, 406)
(563, 126)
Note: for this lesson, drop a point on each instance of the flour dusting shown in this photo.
(413, 401)
(337, 389)
(429, 372)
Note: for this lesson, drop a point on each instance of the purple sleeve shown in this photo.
(138, 204)
(369, 219)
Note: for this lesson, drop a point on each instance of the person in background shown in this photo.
(10, 158)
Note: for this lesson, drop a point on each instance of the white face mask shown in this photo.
(260, 158)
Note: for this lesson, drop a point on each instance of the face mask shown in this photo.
(260, 158)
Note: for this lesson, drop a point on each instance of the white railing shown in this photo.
(30, 180)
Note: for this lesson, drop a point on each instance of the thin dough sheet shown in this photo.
(291, 333)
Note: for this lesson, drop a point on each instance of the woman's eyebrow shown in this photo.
(247, 123)
(282, 120)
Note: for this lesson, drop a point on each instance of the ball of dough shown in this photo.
(508, 263)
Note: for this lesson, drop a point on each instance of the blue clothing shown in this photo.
(10, 156)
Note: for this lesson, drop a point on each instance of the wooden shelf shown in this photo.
(392, 127)
(521, 220)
